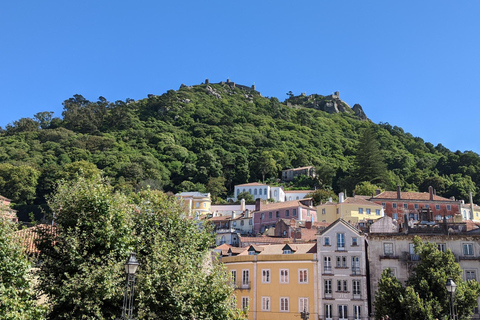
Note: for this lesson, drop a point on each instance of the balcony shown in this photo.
(389, 255)
(327, 269)
(241, 285)
(328, 295)
(412, 257)
(357, 296)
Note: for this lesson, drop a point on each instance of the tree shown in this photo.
(82, 273)
(369, 163)
(216, 187)
(266, 165)
(366, 188)
(247, 196)
(17, 298)
(321, 195)
(425, 295)
(18, 182)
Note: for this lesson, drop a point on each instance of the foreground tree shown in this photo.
(425, 295)
(17, 298)
(369, 162)
(83, 273)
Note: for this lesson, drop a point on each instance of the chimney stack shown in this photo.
(242, 205)
(399, 193)
(430, 191)
(308, 224)
(377, 192)
(340, 197)
(258, 204)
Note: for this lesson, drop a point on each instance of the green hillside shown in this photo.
(205, 136)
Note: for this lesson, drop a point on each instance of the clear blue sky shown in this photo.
(414, 64)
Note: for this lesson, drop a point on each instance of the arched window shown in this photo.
(260, 191)
(250, 191)
(238, 192)
(255, 191)
(297, 198)
(275, 193)
(265, 193)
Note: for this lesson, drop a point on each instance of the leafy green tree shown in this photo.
(83, 274)
(321, 195)
(369, 161)
(17, 298)
(366, 188)
(18, 182)
(266, 165)
(247, 196)
(216, 187)
(425, 295)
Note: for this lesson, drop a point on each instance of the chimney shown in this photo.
(399, 192)
(330, 199)
(308, 224)
(430, 191)
(471, 205)
(258, 204)
(340, 197)
(247, 213)
(377, 192)
(234, 215)
(242, 205)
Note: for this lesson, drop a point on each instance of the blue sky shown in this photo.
(413, 64)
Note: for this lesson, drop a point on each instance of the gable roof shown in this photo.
(345, 223)
(252, 184)
(300, 248)
(355, 200)
(286, 204)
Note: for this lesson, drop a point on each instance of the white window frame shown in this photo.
(442, 247)
(245, 277)
(302, 304)
(356, 287)
(284, 304)
(284, 275)
(233, 275)
(470, 249)
(389, 253)
(326, 241)
(266, 275)
(266, 305)
(357, 312)
(468, 274)
(327, 263)
(369, 211)
(354, 241)
(245, 303)
(342, 312)
(305, 279)
(328, 311)
(327, 286)
(340, 241)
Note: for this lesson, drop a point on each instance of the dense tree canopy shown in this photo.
(182, 139)
(82, 272)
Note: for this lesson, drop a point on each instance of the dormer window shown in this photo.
(287, 251)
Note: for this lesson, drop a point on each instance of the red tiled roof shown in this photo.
(28, 237)
(286, 204)
(301, 168)
(299, 191)
(422, 196)
(361, 201)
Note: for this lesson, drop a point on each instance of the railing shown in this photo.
(356, 271)
(328, 295)
(357, 296)
(327, 269)
(243, 285)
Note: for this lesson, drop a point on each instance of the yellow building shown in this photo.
(353, 210)
(196, 204)
(275, 282)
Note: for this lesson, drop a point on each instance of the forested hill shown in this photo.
(210, 136)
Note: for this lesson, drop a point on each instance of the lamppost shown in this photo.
(305, 315)
(131, 267)
(451, 287)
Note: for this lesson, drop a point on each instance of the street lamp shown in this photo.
(131, 267)
(451, 287)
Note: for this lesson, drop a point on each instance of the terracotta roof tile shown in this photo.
(28, 237)
(251, 184)
(422, 196)
(286, 204)
(300, 248)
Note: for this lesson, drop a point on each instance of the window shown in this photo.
(328, 311)
(360, 210)
(233, 275)
(284, 304)
(265, 275)
(468, 249)
(234, 223)
(260, 191)
(245, 277)
(449, 207)
(250, 222)
(442, 247)
(275, 193)
(283, 275)
(357, 312)
(287, 251)
(437, 207)
(356, 288)
(327, 264)
(287, 213)
(384, 204)
(394, 205)
(238, 192)
(255, 191)
(302, 304)
(323, 210)
(355, 265)
(394, 216)
(340, 241)
(354, 241)
(250, 191)
(197, 205)
(405, 206)
(242, 223)
(369, 211)
(416, 205)
(438, 217)
(265, 191)
(277, 214)
(427, 206)
(303, 276)
(342, 312)
(244, 303)
(342, 285)
(337, 211)
(388, 249)
(294, 212)
(263, 216)
(269, 215)
(326, 241)
(377, 212)
(265, 303)
(204, 205)
(341, 262)
(327, 286)
(470, 275)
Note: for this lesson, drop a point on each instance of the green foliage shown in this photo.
(366, 188)
(18, 182)
(321, 196)
(83, 273)
(247, 196)
(216, 187)
(191, 135)
(425, 295)
(17, 298)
